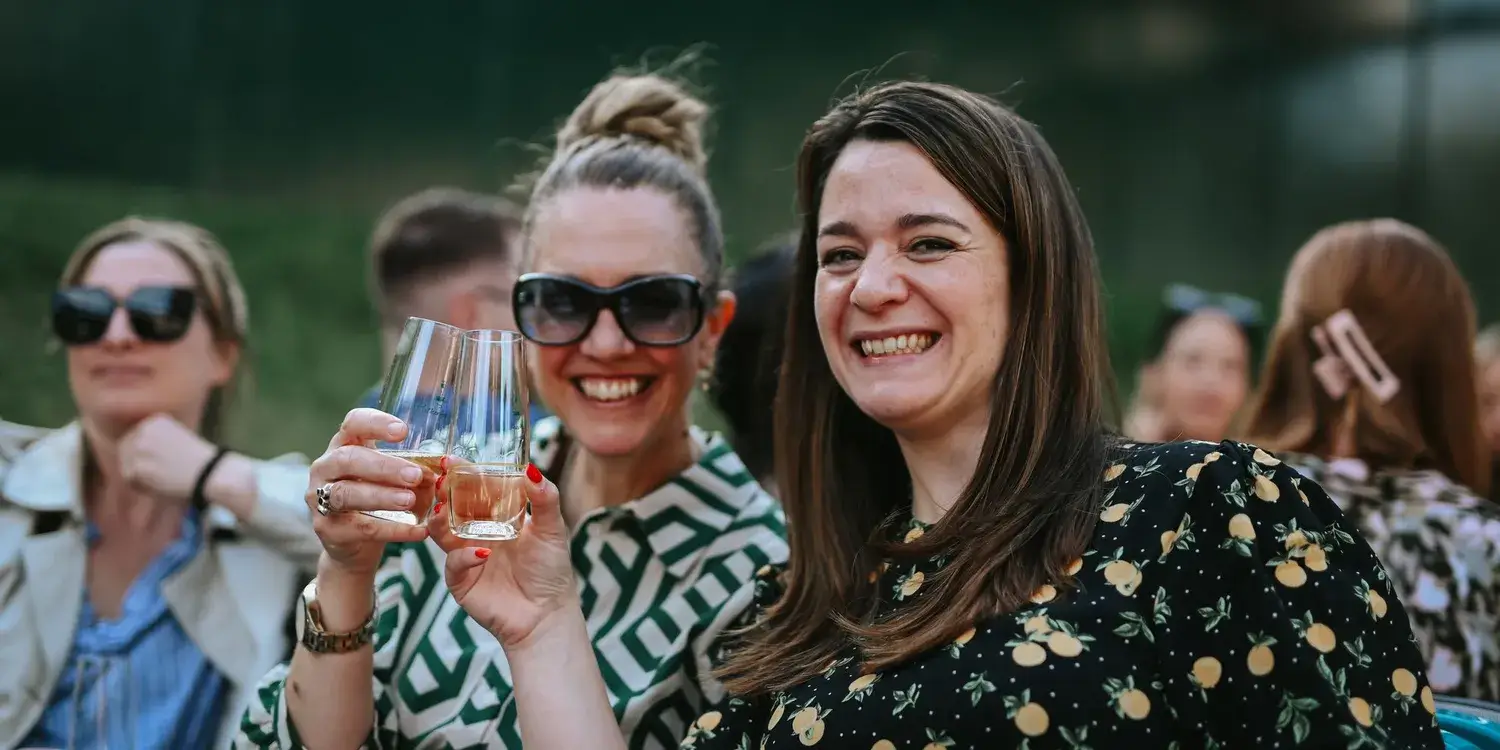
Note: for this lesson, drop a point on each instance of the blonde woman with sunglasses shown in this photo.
(146, 573)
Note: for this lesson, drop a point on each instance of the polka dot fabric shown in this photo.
(1223, 603)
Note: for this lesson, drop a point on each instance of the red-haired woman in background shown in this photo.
(1369, 388)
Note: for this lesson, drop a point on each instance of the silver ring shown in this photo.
(324, 493)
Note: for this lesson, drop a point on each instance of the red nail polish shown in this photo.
(438, 507)
(437, 487)
(482, 553)
(443, 464)
(533, 473)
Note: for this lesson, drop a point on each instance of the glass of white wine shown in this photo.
(419, 390)
(486, 483)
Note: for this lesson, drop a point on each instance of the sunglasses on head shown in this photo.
(81, 314)
(664, 310)
(1186, 300)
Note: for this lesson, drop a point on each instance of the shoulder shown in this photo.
(16, 439)
(1173, 496)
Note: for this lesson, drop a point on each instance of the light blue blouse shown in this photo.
(138, 681)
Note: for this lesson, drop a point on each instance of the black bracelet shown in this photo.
(208, 468)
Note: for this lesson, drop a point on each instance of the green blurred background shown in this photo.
(1207, 140)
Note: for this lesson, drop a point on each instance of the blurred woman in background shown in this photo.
(1198, 374)
(976, 561)
(1369, 389)
(744, 384)
(1487, 359)
(145, 571)
(623, 253)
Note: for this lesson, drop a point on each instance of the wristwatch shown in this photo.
(315, 638)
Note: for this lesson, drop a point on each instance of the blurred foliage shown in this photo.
(1206, 141)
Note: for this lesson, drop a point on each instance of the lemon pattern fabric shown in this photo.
(1440, 544)
(660, 577)
(1223, 603)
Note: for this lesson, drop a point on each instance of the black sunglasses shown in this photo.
(662, 310)
(81, 314)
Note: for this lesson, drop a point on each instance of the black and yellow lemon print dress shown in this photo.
(1223, 603)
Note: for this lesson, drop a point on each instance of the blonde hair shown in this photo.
(1414, 306)
(223, 297)
(637, 131)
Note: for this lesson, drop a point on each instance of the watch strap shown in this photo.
(319, 641)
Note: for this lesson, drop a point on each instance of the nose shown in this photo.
(880, 283)
(606, 340)
(119, 333)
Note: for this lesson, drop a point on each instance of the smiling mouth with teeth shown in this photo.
(907, 343)
(612, 389)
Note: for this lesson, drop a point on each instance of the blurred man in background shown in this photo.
(447, 255)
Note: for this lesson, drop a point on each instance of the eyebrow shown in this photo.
(906, 221)
(913, 221)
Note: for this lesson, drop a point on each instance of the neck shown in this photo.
(593, 481)
(942, 465)
(108, 497)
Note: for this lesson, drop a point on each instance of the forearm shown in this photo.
(330, 698)
(561, 702)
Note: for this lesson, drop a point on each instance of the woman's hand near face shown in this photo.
(360, 478)
(514, 588)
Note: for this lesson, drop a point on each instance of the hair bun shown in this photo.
(646, 107)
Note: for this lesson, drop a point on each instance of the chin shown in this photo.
(609, 440)
(895, 406)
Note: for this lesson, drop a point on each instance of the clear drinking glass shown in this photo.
(419, 390)
(491, 438)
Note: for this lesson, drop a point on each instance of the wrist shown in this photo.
(232, 484)
(346, 597)
(556, 632)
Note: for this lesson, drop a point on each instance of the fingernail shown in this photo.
(438, 508)
(482, 553)
(437, 487)
(443, 464)
(411, 474)
(393, 429)
(533, 473)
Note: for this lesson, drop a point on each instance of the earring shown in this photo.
(705, 378)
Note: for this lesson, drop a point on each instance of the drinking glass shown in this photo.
(419, 390)
(490, 446)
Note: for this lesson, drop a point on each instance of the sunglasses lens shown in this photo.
(553, 311)
(160, 313)
(81, 315)
(664, 311)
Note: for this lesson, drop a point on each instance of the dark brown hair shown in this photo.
(1031, 506)
(436, 232)
(222, 298)
(1413, 304)
(745, 372)
(638, 131)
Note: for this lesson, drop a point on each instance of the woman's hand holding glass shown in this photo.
(356, 477)
(514, 588)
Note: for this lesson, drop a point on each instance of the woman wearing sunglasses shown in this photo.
(1370, 386)
(1198, 375)
(975, 562)
(664, 526)
(145, 572)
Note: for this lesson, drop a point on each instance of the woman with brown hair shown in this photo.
(146, 572)
(975, 561)
(1369, 388)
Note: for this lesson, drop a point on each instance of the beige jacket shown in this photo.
(233, 599)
